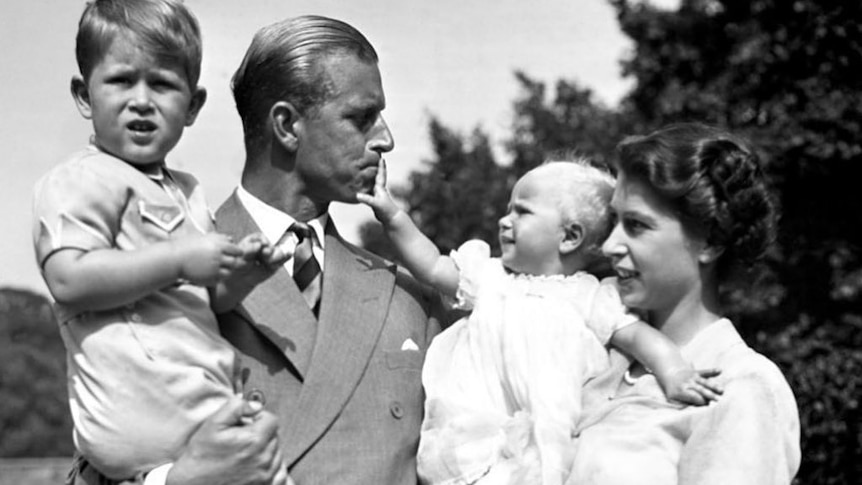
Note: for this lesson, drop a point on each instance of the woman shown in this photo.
(691, 205)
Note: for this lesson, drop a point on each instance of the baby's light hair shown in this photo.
(584, 192)
(165, 29)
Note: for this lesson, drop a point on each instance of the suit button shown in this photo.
(396, 410)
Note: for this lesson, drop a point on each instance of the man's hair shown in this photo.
(165, 29)
(283, 63)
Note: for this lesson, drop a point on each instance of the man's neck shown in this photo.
(285, 195)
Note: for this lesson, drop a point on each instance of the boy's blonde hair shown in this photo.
(165, 29)
(584, 191)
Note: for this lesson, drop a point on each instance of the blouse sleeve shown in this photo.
(608, 314)
(751, 437)
(75, 207)
(471, 259)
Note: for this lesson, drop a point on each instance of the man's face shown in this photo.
(342, 140)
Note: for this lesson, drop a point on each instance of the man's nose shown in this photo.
(382, 140)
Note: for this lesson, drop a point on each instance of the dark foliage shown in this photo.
(34, 414)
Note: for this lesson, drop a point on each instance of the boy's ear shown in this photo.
(81, 95)
(573, 238)
(284, 119)
(199, 97)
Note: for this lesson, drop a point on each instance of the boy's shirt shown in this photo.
(143, 376)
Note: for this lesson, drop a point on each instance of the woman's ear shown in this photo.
(710, 253)
(199, 97)
(573, 238)
(81, 95)
(284, 118)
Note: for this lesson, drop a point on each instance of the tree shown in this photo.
(35, 415)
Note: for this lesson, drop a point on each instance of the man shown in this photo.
(336, 356)
(345, 384)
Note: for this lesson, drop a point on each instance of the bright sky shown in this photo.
(451, 58)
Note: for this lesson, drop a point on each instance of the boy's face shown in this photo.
(138, 104)
(532, 232)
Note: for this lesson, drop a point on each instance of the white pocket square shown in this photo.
(409, 344)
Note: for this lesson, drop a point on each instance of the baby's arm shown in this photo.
(258, 261)
(100, 279)
(417, 252)
(679, 380)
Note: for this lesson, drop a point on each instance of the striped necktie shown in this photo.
(306, 269)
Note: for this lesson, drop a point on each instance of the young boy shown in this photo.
(127, 248)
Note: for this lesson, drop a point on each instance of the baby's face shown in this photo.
(139, 105)
(533, 229)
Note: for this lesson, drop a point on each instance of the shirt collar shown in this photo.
(273, 222)
(713, 340)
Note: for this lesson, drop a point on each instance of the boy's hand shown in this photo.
(380, 200)
(696, 387)
(207, 259)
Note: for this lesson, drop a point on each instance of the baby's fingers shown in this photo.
(707, 373)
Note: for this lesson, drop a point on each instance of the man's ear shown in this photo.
(284, 118)
(81, 95)
(199, 97)
(573, 238)
(710, 253)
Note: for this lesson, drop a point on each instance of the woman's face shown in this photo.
(656, 260)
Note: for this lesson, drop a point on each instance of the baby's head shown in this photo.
(139, 62)
(559, 215)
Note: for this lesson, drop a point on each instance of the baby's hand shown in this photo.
(380, 200)
(696, 387)
(206, 259)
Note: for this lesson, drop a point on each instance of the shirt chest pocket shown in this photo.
(164, 217)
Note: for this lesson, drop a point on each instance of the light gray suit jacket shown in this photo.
(346, 387)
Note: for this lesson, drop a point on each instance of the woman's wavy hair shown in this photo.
(714, 182)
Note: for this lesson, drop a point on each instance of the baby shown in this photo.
(503, 385)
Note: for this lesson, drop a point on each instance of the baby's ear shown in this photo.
(81, 95)
(199, 97)
(573, 238)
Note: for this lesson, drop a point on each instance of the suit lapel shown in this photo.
(276, 306)
(356, 294)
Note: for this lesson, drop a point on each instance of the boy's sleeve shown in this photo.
(75, 207)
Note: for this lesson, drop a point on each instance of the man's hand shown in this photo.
(380, 200)
(237, 445)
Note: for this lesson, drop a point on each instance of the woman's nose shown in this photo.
(613, 244)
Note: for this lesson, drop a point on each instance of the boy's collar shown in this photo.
(155, 171)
